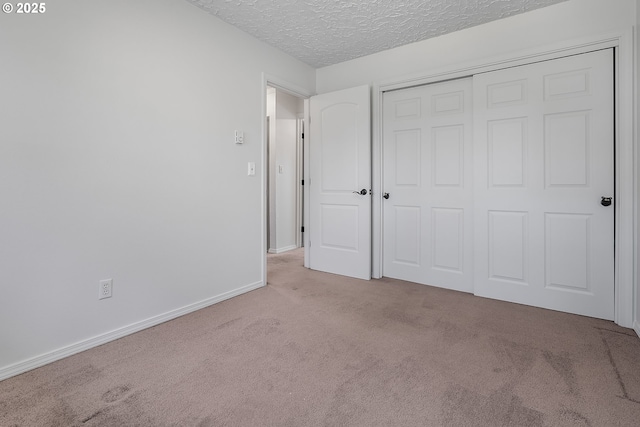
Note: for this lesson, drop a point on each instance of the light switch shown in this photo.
(251, 168)
(239, 137)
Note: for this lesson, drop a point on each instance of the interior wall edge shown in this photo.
(66, 351)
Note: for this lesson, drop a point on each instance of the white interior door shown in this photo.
(543, 161)
(427, 143)
(340, 182)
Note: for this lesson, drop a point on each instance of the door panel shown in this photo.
(448, 243)
(543, 158)
(340, 166)
(407, 158)
(407, 235)
(339, 133)
(507, 150)
(508, 243)
(447, 159)
(427, 173)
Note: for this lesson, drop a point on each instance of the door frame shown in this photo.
(295, 90)
(625, 163)
(300, 121)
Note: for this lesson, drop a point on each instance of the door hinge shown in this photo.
(302, 135)
(302, 229)
(302, 182)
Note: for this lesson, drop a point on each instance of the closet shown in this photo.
(501, 184)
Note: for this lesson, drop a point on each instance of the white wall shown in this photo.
(117, 160)
(563, 21)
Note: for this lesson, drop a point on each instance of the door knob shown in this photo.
(606, 201)
(362, 192)
(385, 195)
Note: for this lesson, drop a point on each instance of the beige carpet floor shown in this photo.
(314, 349)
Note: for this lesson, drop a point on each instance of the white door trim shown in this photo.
(625, 197)
(299, 178)
(295, 90)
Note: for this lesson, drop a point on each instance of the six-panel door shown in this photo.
(427, 161)
(543, 150)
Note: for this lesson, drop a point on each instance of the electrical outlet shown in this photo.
(105, 289)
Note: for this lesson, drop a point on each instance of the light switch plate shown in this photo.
(239, 137)
(251, 168)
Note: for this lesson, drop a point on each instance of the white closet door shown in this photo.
(340, 172)
(427, 176)
(543, 151)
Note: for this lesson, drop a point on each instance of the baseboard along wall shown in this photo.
(61, 353)
(281, 250)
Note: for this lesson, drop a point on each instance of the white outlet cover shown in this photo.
(105, 289)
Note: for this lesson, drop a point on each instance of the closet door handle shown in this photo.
(385, 195)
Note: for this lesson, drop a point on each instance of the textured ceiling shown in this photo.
(325, 32)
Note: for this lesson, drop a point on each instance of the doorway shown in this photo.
(284, 170)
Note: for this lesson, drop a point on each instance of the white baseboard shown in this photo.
(285, 249)
(636, 327)
(61, 353)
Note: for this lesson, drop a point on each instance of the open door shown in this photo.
(340, 183)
